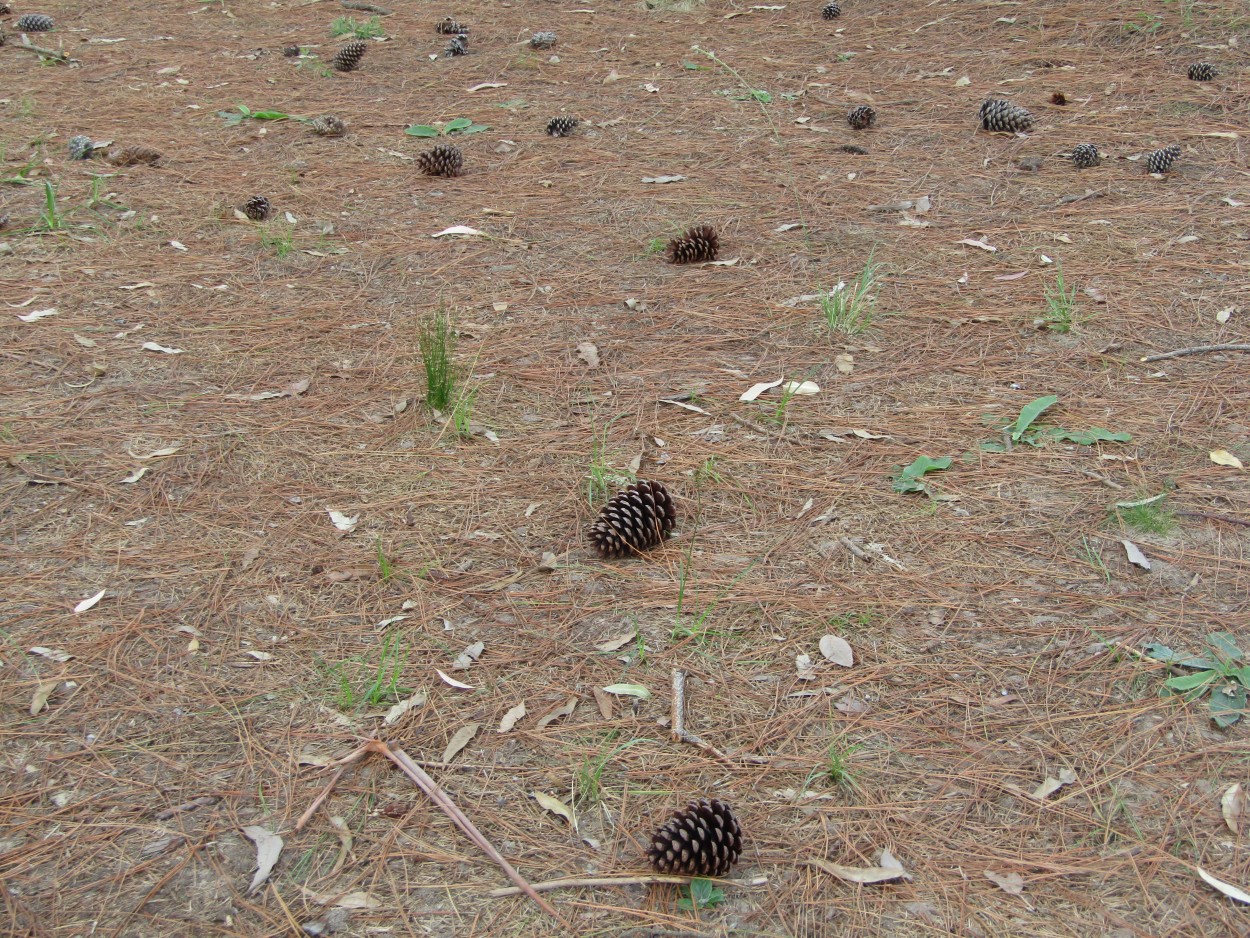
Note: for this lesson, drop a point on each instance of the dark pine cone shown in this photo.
(34, 23)
(459, 45)
(633, 520)
(443, 160)
(561, 126)
(851, 148)
(1160, 161)
(698, 244)
(999, 115)
(291, 52)
(703, 839)
(327, 125)
(1085, 155)
(1202, 71)
(257, 208)
(831, 11)
(449, 27)
(862, 117)
(347, 59)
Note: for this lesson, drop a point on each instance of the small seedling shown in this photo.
(437, 341)
(242, 112)
(788, 390)
(50, 219)
(1145, 23)
(700, 894)
(382, 679)
(386, 569)
(1022, 430)
(848, 307)
(1060, 315)
(708, 473)
(837, 768)
(588, 782)
(1149, 515)
(1224, 675)
(361, 29)
(460, 125)
(656, 246)
(278, 238)
(462, 414)
(602, 479)
(911, 478)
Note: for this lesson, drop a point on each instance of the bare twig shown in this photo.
(50, 53)
(1198, 350)
(578, 881)
(1089, 194)
(1103, 479)
(682, 735)
(1210, 517)
(444, 802)
(854, 548)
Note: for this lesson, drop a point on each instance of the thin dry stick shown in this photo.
(444, 802)
(50, 53)
(577, 881)
(1210, 517)
(682, 735)
(1197, 350)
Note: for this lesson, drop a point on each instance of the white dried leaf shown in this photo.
(564, 710)
(458, 230)
(837, 650)
(52, 654)
(1135, 556)
(1222, 457)
(865, 874)
(728, 263)
(135, 476)
(38, 314)
(177, 245)
(510, 718)
(1012, 883)
(293, 389)
(460, 740)
(341, 521)
(397, 711)
(159, 453)
(1221, 317)
(556, 806)
(790, 227)
(1233, 892)
(972, 242)
(268, 849)
(662, 179)
(1233, 807)
(468, 656)
(866, 435)
(157, 347)
(358, 900)
(803, 665)
(482, 86)
(391, 621)
(452, 682)
(259, 655)
(801, 387)
(757, 389)
(1052, 784)
(620, 641)
(137, 286)
(89, 602)
(589, 353)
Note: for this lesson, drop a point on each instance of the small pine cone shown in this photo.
(1160, 161)
(291, 52)
(703, 839)
(443, 160)
(133, 156)
(459, 45)
(697, 245)
(1085, 155)
(4, 9)
(562, 126)
(831, 11)
(1202, 71)
(4, 222)
(327, 125)
(862, 117)
(542, 40)
(257, 208)
(3, 37)
(80, 147)
(851, 148)
(34, 23)
(449, 27)
(633, 520)
(999, 115)
(347, 59)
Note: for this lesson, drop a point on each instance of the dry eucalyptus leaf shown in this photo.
(556, 806)
(803, 665)
(458, 230)
(1012, 883)
(801, 387)
(452, 682)
(662, 179)
(294, 389)
(53, 654)
(157, 347)
(606, 703)
(460, 740)
(41, 695)
(844, 363)
(1221, 317)
(510, 718)
(884, 873)
(757, 389)
(564, 710)
(1233, 807)
(1135, 556)
(268, 849)
(837, 650)
(135, 476)
(1222, 457)
(468, 656)
(341, 521)
(358, 900)
(89, 602)
(620, 641)
(589, 353)
(397, 711)
(972, 242)
(1233, 892)
(1052, 784)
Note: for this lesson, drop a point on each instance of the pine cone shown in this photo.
(347, 59)
(327, 125)
(1160, 161)
(34, 23)
(291, 52)
(542, 40)
(257, 208)
(449, 27)
(703, 839)
(4, 222)
(459, 45)
(80, 147)
(443, 160)
(1085, 155)
(3, 37)
(561, 126)
(830, 11)
(998, 115)
(1202, 71)
(862, 117)
(851, 148)
(133, 156)
(633, 520)
(698, 244)
(4, 9)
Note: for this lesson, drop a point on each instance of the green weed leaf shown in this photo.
(1030, 412)
(459, 123)
(1225, 644)
(911, 478)
(1227, 704)
(421, 130)
(1187, 682)
(1093, 435)
(700, 894)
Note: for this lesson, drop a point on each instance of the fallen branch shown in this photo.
(682, 735)
(40, 50)
(1210, 517)
(442, 800)
(575, 882)
(1103, 479)
(1197, 350)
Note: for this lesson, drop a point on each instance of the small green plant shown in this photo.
(837, 763)
(747, 94)
(1146, 24)
(788, 390)
(1022, 430)
(50, 218)
(386, 569)
(709, 473)
(361, 29)
(1150, 515)
(588, 781)
(848, 623)
(1224, 675)
(360, 682)
(1187, 11)
(278, 238)
(96, 199)
(437, 342)
(911, 478)
(656, 246)
(460, 125)
(1060, 315)
(310, 63)
(700, 894)
(602, 479)
(242, 113)
(848, 307)
(1094, 559)
(462, 413)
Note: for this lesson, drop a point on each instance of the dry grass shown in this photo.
(993, 653)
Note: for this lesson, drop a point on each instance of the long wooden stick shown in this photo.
(1197, 350)
(575, 882)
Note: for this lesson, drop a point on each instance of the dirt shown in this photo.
(243, 642)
